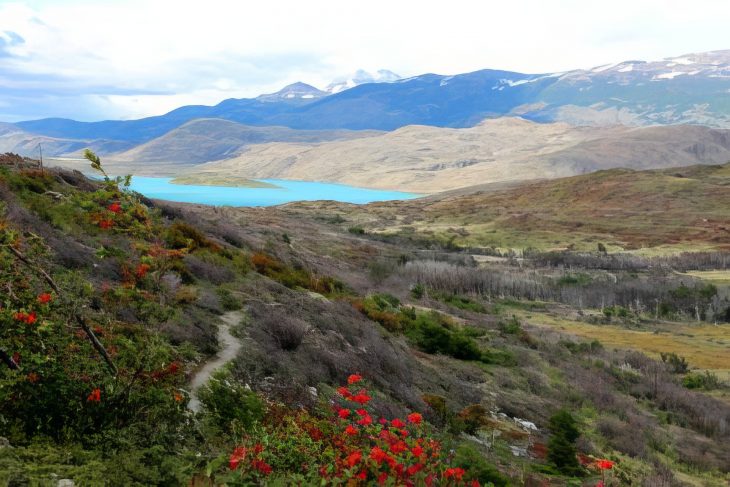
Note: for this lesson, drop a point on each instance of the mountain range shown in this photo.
(690, 89)
(426, 159)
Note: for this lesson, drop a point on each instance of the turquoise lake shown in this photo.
(286, 192)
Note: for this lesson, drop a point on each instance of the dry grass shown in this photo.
(666, 211)
(705, 346)
(716, 277)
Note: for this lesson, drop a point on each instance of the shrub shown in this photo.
(676, 363)
(499, 357)
(470, 458)
(461, 302)
(510, 327)
(380, 270)
(356, 230)
(561, 446)
(181, 235)
(708, 381)
(418, 291)
(186, 295)
(288, 332)
(344, 445)
(473, 417)
(228, 404)
(228, 301)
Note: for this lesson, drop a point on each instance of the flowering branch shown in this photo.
(79, 319)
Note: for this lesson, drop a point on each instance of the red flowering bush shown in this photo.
(95, 396)
(346, 445)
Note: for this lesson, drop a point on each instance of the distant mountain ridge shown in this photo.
(361, 77)
(425, 159)
(690, 89)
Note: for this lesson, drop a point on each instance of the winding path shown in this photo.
(229, 347)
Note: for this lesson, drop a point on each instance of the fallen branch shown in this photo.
(79, 319)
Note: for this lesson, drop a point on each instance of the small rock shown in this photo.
(518, 451)
(65, 483)
(528, 425)
(312, 391)
(4, 443)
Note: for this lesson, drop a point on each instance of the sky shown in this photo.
(129, 59)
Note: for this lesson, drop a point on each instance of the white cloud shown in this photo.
(142, 57)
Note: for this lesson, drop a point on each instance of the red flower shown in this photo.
(258, 448)
(344, 392)
(351, 430)
(31, 318)
(365, 421)
(142, 270)
(343, 413)
(398, 447)
(605, 464)
(414, 469)
(397, 423)
(361, 412)
(383, 421)
(382, 478)
(378, 455)
(115, 207)
(237, 457)
(354, 458)
(361, 398)
(106, 224)
(178, 397)
(475, 483)
(44, 298)
(95, 396)
(363, 475)
(354, 378)
(262, 466)
(19, 316)
(417, 451)
(174, 367)
(33, 378)
(415, 418)
(456, 473)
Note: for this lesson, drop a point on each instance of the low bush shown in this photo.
(696, 380)
(511, 326)
(345, 444)
(460, 302)
(229, 405)
(227, 300)
(468, 457)
(287, 331)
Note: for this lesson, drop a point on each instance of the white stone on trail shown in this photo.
(229, 347)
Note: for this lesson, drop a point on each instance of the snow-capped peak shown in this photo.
(360, 77)
(294, 91)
